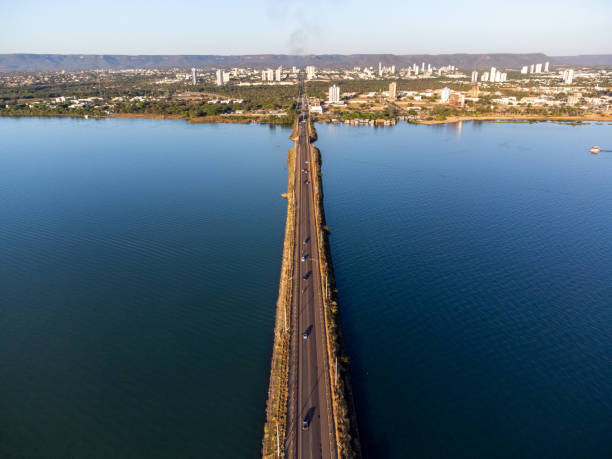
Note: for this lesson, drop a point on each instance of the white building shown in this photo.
(531, 67)
(334, 94)
(444, 95)
(219, 77)
(524, 69)
(279, 73)
(492, 73)
(267, 75)
(546, 66)
(194, 77)
(485, 76)
(393, 90)
(310, 72)
(503, 77)
(538, 68)
(474, 76)
(568, 76)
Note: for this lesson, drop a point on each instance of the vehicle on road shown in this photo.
(304, 257)
(308, 418)
(306, 240)
(307, 332)
(307, 275)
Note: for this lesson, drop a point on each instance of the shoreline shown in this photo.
(517, 118)
(261, 119)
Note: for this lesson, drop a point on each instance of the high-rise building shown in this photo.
(279, 73)
(524, 69)
(267, 75)
(546, 66)
(503, 77)
(498, 76)
(444, 95)
(492, 73)
(310, 72)
(334, 94)
(194, 77)
(568, 76)
(531, 67)
(538, 68)
(219, 77)
(485, 76)
(475, 91)
(393, 70)
(393, 90)
(423, 67)
(474, 76)
(380, 69)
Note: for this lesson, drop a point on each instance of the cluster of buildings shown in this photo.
(535, 68)
(492, 76)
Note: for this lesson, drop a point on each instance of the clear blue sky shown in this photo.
(297, 26)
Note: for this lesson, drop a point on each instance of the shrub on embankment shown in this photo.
(276, 407)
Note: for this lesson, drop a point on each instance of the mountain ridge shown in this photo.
(24, 62)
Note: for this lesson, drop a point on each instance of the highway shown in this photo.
(310, 424)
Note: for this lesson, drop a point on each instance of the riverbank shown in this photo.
(267, 119)
(347, 433)
(278, 391)
(510, 118)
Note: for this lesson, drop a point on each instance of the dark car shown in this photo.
(305, 424)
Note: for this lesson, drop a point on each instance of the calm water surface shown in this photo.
(139, 274)
(475, 274)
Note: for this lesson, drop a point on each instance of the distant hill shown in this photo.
(52, 62)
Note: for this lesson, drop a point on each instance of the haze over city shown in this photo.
(300, 26)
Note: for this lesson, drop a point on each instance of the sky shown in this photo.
(305, 27)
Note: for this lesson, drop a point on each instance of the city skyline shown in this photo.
(300, 27)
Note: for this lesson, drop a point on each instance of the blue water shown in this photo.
(474, 268)
(139, 275)
(140, 264)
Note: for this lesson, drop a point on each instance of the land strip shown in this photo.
(276, 408)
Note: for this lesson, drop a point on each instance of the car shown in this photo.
(305, 335)
(305, 277)
(305, 424)
(305, 241)
(304, 257)
(306, 162)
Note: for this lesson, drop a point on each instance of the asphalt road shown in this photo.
(309, 390)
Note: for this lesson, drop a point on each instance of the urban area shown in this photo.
(375, 95)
